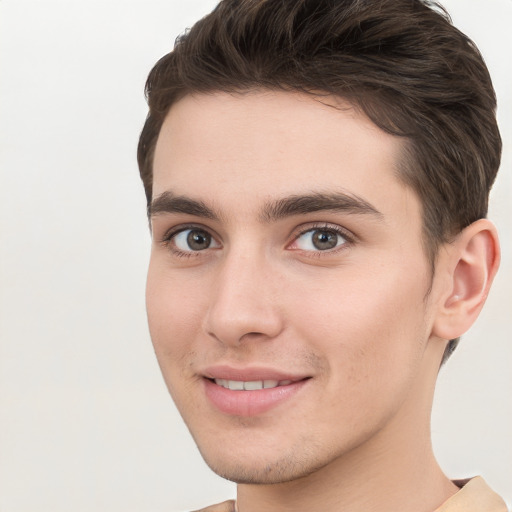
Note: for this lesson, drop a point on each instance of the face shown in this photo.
(287, 285)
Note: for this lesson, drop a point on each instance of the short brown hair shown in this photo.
(401, 62)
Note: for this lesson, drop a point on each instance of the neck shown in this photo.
(394, 470)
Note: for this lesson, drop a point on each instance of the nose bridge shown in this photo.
(244, 300)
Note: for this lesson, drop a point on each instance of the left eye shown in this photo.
(319, 240)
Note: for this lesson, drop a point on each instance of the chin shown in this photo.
(247, 468)
(274, 473)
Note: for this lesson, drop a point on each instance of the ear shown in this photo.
(470, 264)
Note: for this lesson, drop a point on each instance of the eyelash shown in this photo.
(323, 226)
(168, 237)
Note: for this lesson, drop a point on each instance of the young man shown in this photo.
(317, 176)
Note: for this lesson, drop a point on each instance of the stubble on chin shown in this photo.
(300, 463)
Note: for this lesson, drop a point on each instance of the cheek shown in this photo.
(369, 326)
(371, 341)
(174, 313)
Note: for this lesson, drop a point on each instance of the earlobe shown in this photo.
(472, 262)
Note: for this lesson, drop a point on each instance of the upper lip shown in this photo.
(249, 374)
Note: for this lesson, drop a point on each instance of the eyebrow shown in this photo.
(167, 202)
(315, 202)
(274, 210)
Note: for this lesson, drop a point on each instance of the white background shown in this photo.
(85, 420)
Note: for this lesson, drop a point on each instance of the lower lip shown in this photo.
(249, 403)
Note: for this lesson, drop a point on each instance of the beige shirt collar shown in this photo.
(474, 496)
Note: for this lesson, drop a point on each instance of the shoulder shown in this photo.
(225, 506)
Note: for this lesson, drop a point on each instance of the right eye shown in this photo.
(193, 240)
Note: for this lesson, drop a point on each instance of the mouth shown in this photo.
(250, 392)
(250, 385)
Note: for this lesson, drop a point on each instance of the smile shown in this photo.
(251, 396)
(251, 385)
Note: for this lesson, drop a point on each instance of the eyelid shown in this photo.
(174, 230)
(169, 234)
(349, 237)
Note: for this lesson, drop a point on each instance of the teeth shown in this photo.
(252, 385)
(235, 385)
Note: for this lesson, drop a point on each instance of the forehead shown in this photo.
(241, 149)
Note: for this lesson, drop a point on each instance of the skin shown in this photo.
(366, 321)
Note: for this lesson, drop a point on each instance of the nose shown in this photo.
(244, 304)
